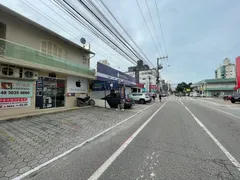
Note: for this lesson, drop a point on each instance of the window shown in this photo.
(52, 49)
(84, 61)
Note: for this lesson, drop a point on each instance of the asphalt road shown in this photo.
(183, 139)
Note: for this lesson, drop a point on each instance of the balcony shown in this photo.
(19, 52)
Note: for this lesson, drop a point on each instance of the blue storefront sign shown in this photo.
(106, 73)
(98, 85)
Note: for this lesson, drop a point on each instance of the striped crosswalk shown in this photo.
(179, 98)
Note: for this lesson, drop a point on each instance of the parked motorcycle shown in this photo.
(85, 101)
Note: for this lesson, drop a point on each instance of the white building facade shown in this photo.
(148, 78)
(225, 71)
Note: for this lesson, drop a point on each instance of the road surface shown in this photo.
(180, 138)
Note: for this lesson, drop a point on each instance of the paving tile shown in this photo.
(21, 165)
(8, 168)
(11, 172)
(43, 160)
(22, 152)
(32, 163)
(39, 156)
(17, 161)
(25, 169)
(29, 158)
(2, 173)
(39, 138)
(4, 178)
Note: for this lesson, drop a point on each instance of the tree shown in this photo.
(181, 87)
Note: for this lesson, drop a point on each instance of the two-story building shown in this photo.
(39, 69)
(148, 78)
(215, 87)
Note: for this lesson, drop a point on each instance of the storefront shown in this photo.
(15, 93)
(50, 93)
(54, 92)
(26, 96)
(111, 79)
(138, 87)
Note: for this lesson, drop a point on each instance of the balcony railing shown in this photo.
(17, 51)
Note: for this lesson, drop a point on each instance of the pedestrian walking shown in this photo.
(160, 97)
(153, 98)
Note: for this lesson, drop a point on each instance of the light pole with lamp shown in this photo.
(149, 84)
(158, 76)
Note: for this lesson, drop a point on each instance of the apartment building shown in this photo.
(39, 69)
(215, 87)
(148, 78)
(227, 70)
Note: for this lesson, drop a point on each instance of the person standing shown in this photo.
(153, 97)
(160, 97)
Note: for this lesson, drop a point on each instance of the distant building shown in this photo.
(225, 71)
(105, 62)
(148, 78)
(215, 87)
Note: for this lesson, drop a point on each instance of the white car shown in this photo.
(140, 97)
(195, 94)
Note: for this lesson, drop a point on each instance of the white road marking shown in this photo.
(230, 157)
(222, 111)
(76, 147)
(111, 159)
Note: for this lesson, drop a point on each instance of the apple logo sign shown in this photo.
(78, 83)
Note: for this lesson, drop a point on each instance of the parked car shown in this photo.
(153, 94)
(195, 94)
(128, 102)
(140, 97)
(227, 97)
(114, 99)
(235, 98)
(164, 95)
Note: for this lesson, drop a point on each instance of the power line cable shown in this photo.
(147, 25)
(159, 20)
(109, 29)
(95, 48)
(47, 17)
(34, 8)
(159, 43)
(94, 30)
(125, 31)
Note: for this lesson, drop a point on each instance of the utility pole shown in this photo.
(159, 67)
(149, 81)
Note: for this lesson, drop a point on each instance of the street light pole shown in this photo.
(149, 84)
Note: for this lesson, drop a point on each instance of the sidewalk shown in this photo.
(28, 142)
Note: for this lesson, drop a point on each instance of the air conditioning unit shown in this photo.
(8, 71)
(29, 74)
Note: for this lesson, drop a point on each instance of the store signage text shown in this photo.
(12, 89)
(14, 102)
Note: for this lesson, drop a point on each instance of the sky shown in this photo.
(198, 34)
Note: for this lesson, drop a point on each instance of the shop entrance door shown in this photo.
(50, 93)
(60, 97)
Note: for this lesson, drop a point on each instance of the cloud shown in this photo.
(198, 34)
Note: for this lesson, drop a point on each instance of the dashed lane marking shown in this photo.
(230, 157)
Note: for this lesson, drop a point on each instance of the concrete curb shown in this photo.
(41, 112)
